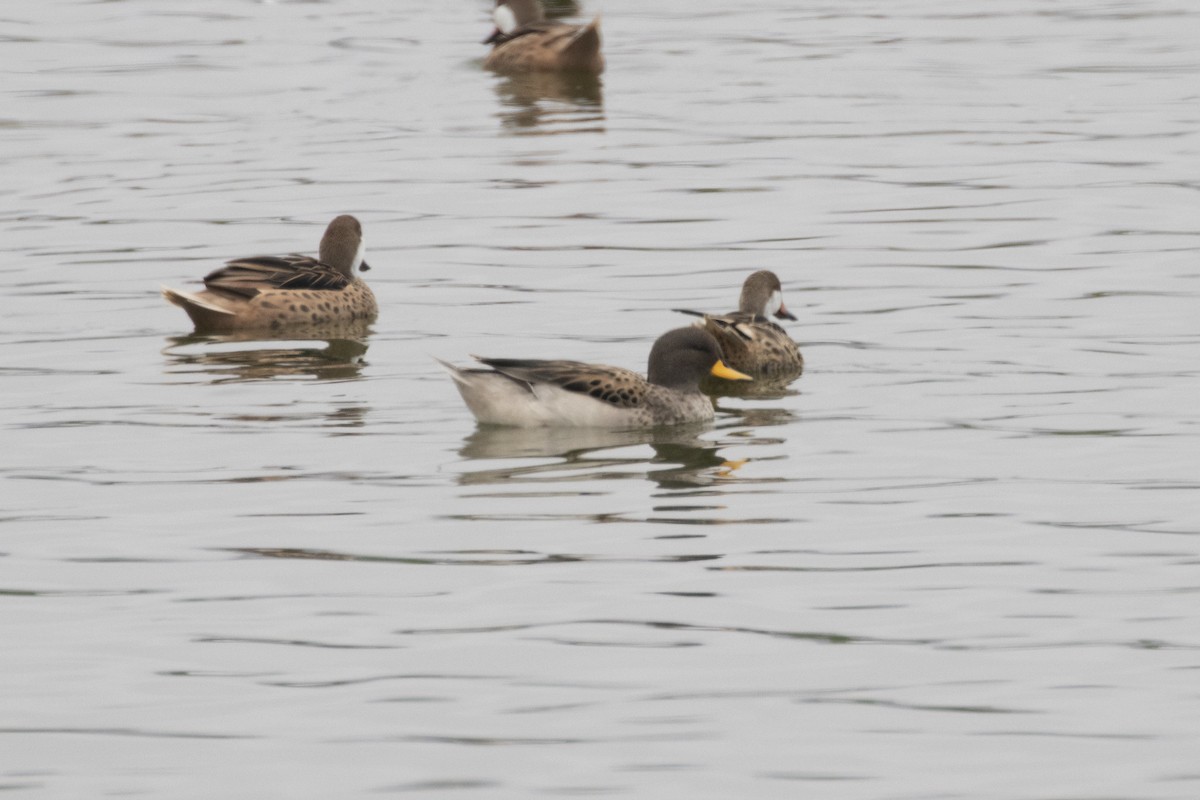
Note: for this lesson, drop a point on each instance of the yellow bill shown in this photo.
(722, 371)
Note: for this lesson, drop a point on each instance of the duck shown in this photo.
(531, 393)
(524, 40)
(751, 342)
(278, 293)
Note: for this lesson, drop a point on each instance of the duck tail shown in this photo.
(583, 49)
(456, 373)
(206, 315)
(187, 300)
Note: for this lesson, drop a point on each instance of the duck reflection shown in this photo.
(758, 389)
(759, 417)
(751, 425)
(248, 357)
(587, 453)
(550, 102)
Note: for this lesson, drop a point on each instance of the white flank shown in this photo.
(495, 399)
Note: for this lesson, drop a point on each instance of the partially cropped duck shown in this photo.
(276, 293)
(751, 342)
(533, 393)
(525, 40)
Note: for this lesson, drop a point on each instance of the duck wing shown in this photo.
(621, 388)
(737, 324)
(248, 276)
(545, 26)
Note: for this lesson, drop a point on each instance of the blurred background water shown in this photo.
(958, 560)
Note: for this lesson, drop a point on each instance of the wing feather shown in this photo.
(248, 276)
(620, 388)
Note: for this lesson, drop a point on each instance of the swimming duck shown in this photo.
(271, 293)
(751, 342)
(525, 40)
(534, 393)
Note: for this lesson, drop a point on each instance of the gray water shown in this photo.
(959, 560)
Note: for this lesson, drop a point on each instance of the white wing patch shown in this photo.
(747, 331)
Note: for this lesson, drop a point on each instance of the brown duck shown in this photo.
(525, 40)
(751, 342)
(276, 293)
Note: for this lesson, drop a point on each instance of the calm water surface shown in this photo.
(959, 560)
